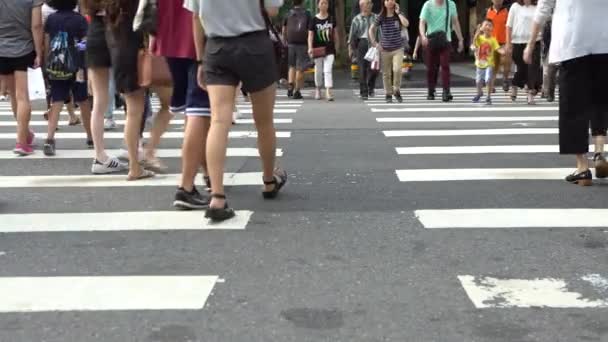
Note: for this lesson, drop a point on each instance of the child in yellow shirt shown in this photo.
(485, 46)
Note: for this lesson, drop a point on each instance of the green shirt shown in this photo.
(435, 17)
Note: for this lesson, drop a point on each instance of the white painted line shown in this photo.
(463, 132)
(161, 153)
(480, 149)
(290, 105)
(120, 135)
(467, 109)
(456, 104)
(47, 294)
(117, 221)
(488, 292)
(13, 123)
(122, 112)
(470, 119)
(512, 218)
(596, 281)
(276, 111)
(102, 181)
(444, 175)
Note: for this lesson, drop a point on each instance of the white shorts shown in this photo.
(484, 75)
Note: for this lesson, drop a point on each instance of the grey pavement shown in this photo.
(345, 253)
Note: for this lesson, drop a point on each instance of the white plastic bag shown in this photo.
(375, 65)
(371, 54)
(35, 84)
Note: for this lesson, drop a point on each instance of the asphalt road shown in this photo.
(387, 231)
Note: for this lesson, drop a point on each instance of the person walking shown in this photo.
(295, 30)
(359, 44)
(498, 13)
(519, 31)
(97, 56)
(391, 22)
(322, 44)
(437, 20)
(21, 47)
(579, 43)
(549, 69)
(237, 31)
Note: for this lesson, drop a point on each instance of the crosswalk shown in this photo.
(448, 136)
(69, 171)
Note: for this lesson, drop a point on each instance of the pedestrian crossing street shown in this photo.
(458, 133)
(69, 171)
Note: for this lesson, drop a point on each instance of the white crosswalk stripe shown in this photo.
(118, 292)
(418, 130)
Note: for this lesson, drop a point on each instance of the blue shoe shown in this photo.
(476, 99)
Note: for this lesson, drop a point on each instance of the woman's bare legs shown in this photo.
(85, 113)
(263, 113)
(161, 122)
(20, 93)
(135, 112)
(99, 78)
(222, 104)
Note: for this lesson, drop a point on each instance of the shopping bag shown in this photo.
(375, 65)
(35, 84)
(371, 54)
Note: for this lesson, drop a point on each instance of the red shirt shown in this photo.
(174, 37)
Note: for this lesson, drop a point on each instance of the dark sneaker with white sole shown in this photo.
(192, 200)
(49, 147)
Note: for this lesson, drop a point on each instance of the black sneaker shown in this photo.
(389, 99)
(505, 86)
(90, 143)
(372, 93)
(398, 97)
(49, 147)
(297, 95)
(364, 97)
(190, 200)
(582, 178)
(431, 95)
(447, 96)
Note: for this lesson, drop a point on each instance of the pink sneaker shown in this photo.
(23, 150)
(31, 138)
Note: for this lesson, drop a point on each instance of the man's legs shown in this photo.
(432, 69)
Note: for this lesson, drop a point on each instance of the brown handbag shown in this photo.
(153, 71)
(319, 52)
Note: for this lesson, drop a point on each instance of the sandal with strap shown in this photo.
(279, 180)
(207, 181)
(219, 214)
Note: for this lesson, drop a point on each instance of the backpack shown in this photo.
(297, 26)
(61, 62)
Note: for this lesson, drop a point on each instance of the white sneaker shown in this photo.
(109, 124)
(110, 166)
(3, 98)
(235, 116)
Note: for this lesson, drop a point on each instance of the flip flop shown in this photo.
(144, 174)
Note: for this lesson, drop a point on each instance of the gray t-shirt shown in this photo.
(230, 18)
(16, 27)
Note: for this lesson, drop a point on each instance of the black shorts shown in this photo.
(248, 59)
(63, 91)
(9, 65)
(582, 100)
(97, 54)
(124, 47)
(187, 96)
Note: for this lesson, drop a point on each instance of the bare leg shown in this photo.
(161, 122)
(85, 113)
(222, 102)
(193, 149)
(135, 111)
(53, 119)
(24, 109)
(263, 108)
(99, 78)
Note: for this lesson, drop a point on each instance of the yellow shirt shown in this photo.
(486, 47)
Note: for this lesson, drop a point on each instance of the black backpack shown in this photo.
(62, 60)
(297, 26)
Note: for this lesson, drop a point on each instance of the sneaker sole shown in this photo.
(188, 206)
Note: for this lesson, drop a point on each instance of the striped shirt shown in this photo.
(390, 27)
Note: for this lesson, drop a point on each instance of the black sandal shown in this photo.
(219, 214)
(279, 180)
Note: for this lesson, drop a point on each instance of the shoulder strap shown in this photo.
(268, 23)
